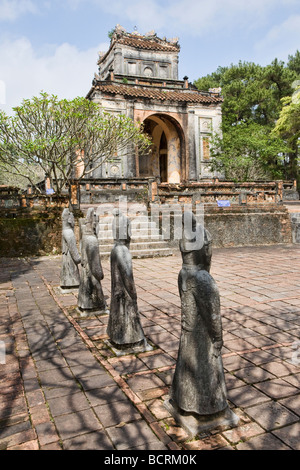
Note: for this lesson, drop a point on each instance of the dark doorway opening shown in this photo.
(163, 158)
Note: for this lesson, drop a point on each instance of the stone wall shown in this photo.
(203, 192)
(234, 226)
(109, 190)
(101, 190)
(36, 232)
(30, 232)
(249, 226)
(9, 197)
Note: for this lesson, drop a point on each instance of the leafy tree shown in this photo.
(246, 153)
(57, 137)
(288, 127)
(294, 63)
(252, 104)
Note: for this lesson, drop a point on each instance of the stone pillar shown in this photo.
(23, 201)
(193, 159)
(175, 68)
(280, 190)
(75, 196)
(47, 183)
(174, 157)
(130, 166)
(118, 62)
(79, 168)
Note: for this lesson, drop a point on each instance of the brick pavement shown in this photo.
(63, 388)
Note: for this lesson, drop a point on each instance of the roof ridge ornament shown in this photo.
(173, 40)
(151, 34)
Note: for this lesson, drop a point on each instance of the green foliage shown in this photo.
(110, 33)
(294, 62)
(246, 153)
(288, 124)
(252, 104)
(288, 127)
(54, 137)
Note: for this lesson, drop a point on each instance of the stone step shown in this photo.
(138, 245)
(146, 241)
(151, 234)
(104, 240)
(140, 226)
(293, 207)
(143, 253)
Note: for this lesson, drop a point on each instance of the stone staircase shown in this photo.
(146, 241)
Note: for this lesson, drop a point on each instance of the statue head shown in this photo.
(91, 222)
(192, 233)
(196, 241)
(68, 218)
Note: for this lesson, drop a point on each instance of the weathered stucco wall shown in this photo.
(234, 226)
(30, 232)
(249, 226)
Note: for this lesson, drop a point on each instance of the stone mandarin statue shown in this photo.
(90, 294)
(198, 396)
(124, 327)
(69, 275)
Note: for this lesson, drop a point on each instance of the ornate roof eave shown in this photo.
(193, 97)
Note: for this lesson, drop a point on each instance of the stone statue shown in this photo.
(69, 275)
(198, 396)
(124, 327)
(90, 294)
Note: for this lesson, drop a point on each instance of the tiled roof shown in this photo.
(133, 91)
(142, 42)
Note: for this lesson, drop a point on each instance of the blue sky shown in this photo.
(53, 45)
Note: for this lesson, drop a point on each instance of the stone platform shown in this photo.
(63, 388)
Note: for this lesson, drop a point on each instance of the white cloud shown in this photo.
(145, 14)
(210, 16)
(10, 10)
(200, 17)
(66, 71)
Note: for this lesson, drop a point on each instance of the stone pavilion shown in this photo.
(138, 77)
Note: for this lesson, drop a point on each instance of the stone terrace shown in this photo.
(62, 388)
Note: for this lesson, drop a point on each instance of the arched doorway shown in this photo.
(166, 160)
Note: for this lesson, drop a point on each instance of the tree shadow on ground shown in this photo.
(88, 408)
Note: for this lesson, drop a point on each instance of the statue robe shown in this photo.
(199, 384)
(90, 294)
(124, 327)
(69, 276)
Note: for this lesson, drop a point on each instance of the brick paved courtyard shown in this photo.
(63, 388)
